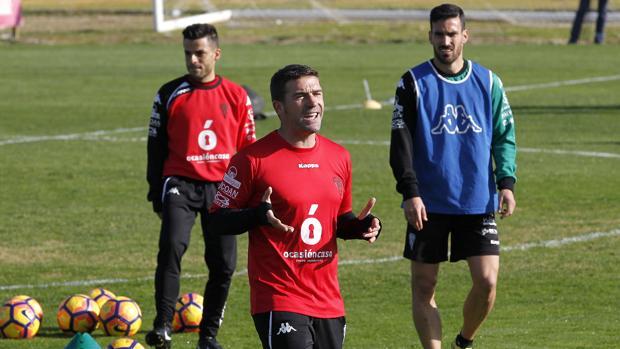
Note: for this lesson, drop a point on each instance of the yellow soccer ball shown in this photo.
(77, 314)
(121, 317)
(188, 313)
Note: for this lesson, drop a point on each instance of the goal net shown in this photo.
(177, 14)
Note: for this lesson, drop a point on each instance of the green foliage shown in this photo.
(74, 209)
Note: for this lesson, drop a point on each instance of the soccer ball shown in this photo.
(18, 321)
(124, 343)
(187, 313)
(77, 313)
(121, 317)
(36, 307)
(101, 295)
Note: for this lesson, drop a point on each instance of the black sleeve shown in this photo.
(401, 143)
(157, 150)
(228, 221)
(349, 227)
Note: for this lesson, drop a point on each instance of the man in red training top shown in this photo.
(199, 122)
(292, 191)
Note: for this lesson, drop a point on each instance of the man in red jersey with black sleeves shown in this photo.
(199, 121)
(292, 191)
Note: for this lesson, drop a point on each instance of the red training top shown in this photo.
(298, 271)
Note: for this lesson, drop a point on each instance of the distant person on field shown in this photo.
(199, 121)
(292, 191)
(11, 16)
(452, 144)
(584, 7)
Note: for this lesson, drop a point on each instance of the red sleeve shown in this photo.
(346, 205)
(247, 129)
(235, 190)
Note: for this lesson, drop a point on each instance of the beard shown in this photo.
(448, 59)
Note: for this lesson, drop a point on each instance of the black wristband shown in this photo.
(368, 222)
(261, 213)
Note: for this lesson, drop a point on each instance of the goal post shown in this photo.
(161, 24)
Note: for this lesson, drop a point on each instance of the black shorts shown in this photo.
(470, 235)
(286, 330)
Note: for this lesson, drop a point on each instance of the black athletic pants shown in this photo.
(183, 199)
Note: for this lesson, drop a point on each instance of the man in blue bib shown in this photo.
(453, 155)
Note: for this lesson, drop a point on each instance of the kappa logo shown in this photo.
(455, 121)
(173, 190)
(307, 165)
(285, 328)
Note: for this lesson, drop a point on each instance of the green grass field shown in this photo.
(74, 213)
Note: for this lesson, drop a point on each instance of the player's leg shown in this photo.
(284, 330)
(584, 6)
(477, 240)
(329, 333)
(425, 312)
(221, 259)
(481, 297)
(427, 248)
(178, 218)
(600, 22)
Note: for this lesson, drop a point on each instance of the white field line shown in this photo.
(503, 15)
(525, 150)
(571, 152)
(102, 135)
(68, 137)
(329, 12)
(98, 134)
(562, 83)
(519, 247)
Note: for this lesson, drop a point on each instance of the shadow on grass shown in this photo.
(54, 332)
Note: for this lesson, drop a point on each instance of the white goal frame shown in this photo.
(161, 24)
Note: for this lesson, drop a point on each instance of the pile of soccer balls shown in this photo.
(21, 316)
(117, 316)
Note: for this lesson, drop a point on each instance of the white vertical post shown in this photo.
(161, 24)
(158, 14)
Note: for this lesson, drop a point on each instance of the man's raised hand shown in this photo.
(375, 226)
(271, 218)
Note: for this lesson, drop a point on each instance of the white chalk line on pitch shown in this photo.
(97, 134)
(103, 135)
(519, 149)
(69, 137)
(519, 247)
(562, 83)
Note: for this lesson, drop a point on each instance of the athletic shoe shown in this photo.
(455, 346)
(208, 343)
(159, 337)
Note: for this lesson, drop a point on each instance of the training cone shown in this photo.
(82, 341)
(372, 104)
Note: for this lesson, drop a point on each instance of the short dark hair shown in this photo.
(447, 11)
(201, 30)
(286, 74)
